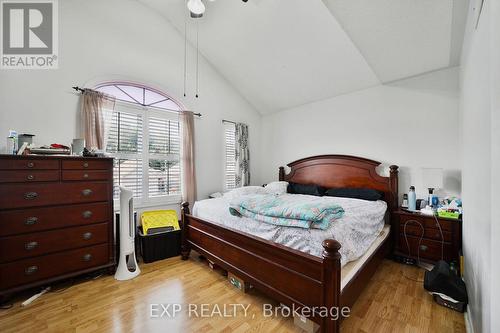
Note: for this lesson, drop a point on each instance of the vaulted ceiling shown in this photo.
(283, 53)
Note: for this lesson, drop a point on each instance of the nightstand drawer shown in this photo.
(414, 229)
(428, 221)
(429, 249)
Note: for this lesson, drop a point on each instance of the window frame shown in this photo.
(145, 155)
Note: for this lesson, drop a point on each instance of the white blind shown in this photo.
(230, 149)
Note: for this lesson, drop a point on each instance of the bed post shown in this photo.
(185, 248)
(393, 178)
(282, 174)
(331, 285)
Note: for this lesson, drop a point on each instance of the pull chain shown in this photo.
(197, 58)
(185, 53)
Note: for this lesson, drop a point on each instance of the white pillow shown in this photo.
(245, 190)
(276, 188)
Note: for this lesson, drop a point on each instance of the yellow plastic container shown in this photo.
(159, 218)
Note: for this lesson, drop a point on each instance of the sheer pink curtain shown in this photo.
(188, 168)
(92, 108)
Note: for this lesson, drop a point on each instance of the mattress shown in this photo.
(356, 231)
(351, 269)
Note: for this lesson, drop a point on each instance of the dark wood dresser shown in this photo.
(430, 245)
(56, 219)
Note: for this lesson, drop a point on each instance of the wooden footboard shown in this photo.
(289, 276)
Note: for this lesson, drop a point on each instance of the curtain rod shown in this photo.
(83, 90)
(229, 121)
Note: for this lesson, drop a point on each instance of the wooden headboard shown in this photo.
(344, 171)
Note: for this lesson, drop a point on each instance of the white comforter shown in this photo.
(356, 230)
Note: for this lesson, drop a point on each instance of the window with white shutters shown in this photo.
(145, 139)
(230, 160)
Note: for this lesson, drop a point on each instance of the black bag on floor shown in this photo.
(444, 281)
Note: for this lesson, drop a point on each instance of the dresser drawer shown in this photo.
(40, 243)
(86, 174)
(33, 195)
(430, 249)
(415, 230)
(28, 176)
(34, 269)
(22, 221)
(428, 222)
(28, 164)
(87, 164)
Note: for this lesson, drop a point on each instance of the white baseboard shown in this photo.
(468, 322)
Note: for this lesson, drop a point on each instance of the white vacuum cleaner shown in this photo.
(127, 264)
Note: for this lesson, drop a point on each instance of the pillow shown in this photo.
(306, 189)
(245, 190)
(276, 188)
(355, 193)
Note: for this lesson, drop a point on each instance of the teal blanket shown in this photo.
(288, 210)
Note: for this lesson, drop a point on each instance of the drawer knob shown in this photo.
(31, 220)
(87, 192)
(87, 214)
(31, 245)
(31, 164)
(85, 175)
(87, 235)
(85, 165)
(30, 177)
(31, 270)
(423, 247)
(87, 257)
(30, 195)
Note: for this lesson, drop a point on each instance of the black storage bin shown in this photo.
(159, 246)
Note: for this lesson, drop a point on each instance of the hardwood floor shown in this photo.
(390, 303)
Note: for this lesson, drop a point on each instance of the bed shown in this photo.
(290, 275)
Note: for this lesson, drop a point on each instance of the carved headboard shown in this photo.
(344, 171)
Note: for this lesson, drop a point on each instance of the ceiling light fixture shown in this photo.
(196, 7)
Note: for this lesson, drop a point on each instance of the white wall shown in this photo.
(106, 39)
(411, 123)
(480, 86)
(495, 162)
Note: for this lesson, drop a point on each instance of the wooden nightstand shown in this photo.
(430, 246)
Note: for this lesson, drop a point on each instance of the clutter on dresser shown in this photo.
(53, 149)
(412, 199)
(451, 208)
(77, 147)
(405, 201)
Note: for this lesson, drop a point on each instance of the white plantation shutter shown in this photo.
(146, 145)
(125, 137)
(128, 173)
(230, 150)
(164, 169)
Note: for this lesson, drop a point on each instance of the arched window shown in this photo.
(143, 134)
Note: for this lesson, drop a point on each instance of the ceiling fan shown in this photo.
(197, 7)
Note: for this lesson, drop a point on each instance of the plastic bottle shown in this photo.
(412, 199)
